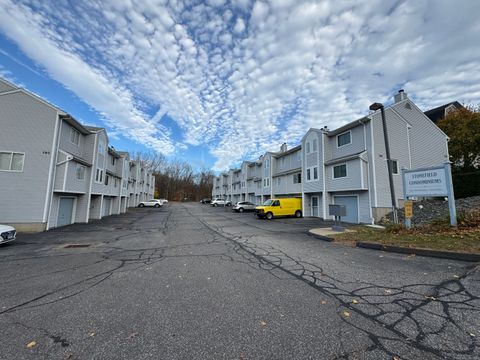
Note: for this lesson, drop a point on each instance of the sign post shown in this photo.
(408, 213)
(433, 182)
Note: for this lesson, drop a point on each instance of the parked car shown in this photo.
(242, 206)
(152, 203)
(220, 202)
(206, 201)
(164, 201)
(7, 233)
(280, 207)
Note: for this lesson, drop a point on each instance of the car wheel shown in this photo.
(240, 210)
(269, 216)
(141, 205)
(298, 213)
(157, 206)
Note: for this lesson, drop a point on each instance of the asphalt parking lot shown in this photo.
(192, 281)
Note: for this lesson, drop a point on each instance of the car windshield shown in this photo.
(268, 203)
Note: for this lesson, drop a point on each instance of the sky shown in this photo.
(217, 82)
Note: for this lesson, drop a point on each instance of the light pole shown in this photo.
(375, 107)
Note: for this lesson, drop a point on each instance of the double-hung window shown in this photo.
(80, 172)
(297, 178)
(314, 145)
(312, 173)
(394, 167)
(74, 136)
(340, 171)
(344, 139)
(11, 161)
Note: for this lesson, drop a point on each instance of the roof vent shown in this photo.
(402, 95)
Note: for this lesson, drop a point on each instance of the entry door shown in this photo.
(65, 211)
(315, 206)
(351, 205)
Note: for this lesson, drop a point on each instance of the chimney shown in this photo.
(402, 95)
(283, 148)
(325, 128)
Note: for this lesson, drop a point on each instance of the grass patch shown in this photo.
(434, 236)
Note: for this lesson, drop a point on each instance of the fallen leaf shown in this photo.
(346, 314)
(132, 335)
(31, 344)
(472, 335)
(92, 334)
(431, 298)
(388, 291)
(354, 301)
(263, 323)
(456, 276)
(396, 358)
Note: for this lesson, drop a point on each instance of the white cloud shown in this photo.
(241, 76)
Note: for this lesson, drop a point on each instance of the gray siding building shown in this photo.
(54, 171)
(347, 166)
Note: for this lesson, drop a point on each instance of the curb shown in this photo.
(320, 237)
(420, 252)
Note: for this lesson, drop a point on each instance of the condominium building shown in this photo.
(347, 166)
(55, 171)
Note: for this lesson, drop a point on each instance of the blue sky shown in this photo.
(219, 81)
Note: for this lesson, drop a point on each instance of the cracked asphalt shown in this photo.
(190, 281)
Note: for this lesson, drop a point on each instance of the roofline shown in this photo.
(75, 123)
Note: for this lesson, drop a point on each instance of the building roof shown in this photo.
(349, 126)
(75, 123)
(94, 128)
(289, 151)
(438, 113)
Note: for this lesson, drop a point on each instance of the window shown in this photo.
(113, 161)
(106, 179)
(340, 171)
(314, 145)
(308, 148)
(344, 139)
(279, 181)
(267, 163)
(80, 172)
(297, 178)
(11, 161)
(275, 203)
(99, 175)
(312, 173)
(74, 136)
(266, 182)
(101, 147)
(394, 167)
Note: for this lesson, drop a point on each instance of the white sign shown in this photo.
(426, 182)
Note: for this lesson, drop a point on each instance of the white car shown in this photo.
(164, 201)
(152, 203)
(7, 234)
(220, 202)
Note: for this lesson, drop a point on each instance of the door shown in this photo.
(65, 211)
(107, 203)
(351, 204)
(315, 206)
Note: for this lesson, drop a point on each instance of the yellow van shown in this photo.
(280, 207)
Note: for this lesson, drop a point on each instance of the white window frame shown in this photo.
(80, 166)
(307, 147)
(11, 160)
(314, 145)
(99, 179)
(101, 147)
(310, 174)
(76, 137)
(346, 132)
(340, 177)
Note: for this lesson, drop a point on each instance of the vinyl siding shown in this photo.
(352, 181)
(27, 125)
(72, 183)
(312, 159)
(6, 87)
(357, 144)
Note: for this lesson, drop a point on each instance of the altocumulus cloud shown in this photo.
(243, 76)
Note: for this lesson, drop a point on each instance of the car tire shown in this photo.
(141, 205)
(298, 214)
(240, 210)
(157, 206)
(269, 216)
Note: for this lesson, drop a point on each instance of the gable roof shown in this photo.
(438, 113)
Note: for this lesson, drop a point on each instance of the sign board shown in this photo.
(426, 182)
(430, 182)
(337, 210)
(408, 209)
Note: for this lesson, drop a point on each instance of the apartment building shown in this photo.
(55, 171)
(347, 166)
